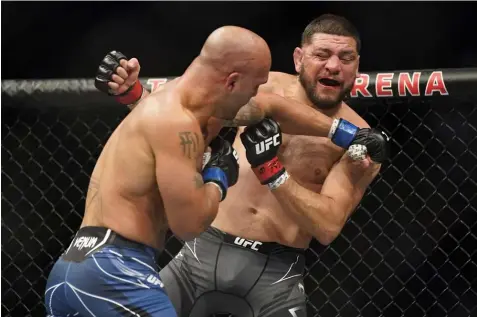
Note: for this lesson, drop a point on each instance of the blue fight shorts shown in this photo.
(104, 274)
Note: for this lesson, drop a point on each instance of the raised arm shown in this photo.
(293, 117)
(119, 77)
(190, 205)
(324, 214)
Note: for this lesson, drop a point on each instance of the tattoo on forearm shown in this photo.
(189, 143)
(249, 114)
(198, 181)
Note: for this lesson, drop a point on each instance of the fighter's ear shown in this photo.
(298, 58)
(231, 81)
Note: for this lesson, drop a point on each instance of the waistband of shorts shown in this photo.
(108, 237)
(267, 248)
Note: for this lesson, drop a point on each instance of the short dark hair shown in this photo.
(331, 24)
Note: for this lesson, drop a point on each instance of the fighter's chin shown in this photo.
(327, 100)
(326, 103)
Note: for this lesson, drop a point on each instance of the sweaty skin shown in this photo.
(148, 176)
(123, 194)
(251, 210)
(309, 160)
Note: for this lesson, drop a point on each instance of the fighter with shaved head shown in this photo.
(149, 177)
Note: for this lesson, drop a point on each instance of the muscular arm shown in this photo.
(324, 214)
(190, 206)
(293, 117)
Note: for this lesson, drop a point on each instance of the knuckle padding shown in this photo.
(106, 69)
(118, 55)
(110, 63)
(104, 72)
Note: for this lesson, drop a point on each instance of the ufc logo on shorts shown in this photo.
(245, 243)
(154, 280)
(265, 145)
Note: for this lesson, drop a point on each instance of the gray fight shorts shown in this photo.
(221, 273)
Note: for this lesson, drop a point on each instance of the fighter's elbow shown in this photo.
(191, 227)
(184, 228)
(326, 236)
(186, 232)
(187, 235)
(330, 230)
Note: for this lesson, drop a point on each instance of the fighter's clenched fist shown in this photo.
(261, 142)
(222, 168)
(360, 142)
(118, 76)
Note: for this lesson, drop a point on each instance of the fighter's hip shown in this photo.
(221, 272)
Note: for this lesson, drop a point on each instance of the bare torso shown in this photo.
(123, 194)
(250, 209)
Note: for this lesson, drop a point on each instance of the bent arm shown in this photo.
(324, 214)
(190, 206)
(293, 117)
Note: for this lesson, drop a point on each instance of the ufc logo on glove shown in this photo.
(265, 145)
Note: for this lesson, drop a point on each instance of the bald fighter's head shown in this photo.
(235, 49)
(238, 62)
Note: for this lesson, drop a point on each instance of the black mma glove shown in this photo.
(222, 168)
(261, 142)
(375, 141)
(360, 141)
(106, 69)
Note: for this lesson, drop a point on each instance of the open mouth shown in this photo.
(329, 82)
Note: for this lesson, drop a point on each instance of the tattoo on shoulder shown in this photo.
(249, 114)
(198, 181)
(189, 143)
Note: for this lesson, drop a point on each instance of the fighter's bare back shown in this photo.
(123, 194)
(250, 209)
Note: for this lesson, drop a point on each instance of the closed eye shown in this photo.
(347, 56)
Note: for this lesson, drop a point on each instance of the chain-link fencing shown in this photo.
(408, 250)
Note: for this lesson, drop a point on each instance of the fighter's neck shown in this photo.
(196, 97)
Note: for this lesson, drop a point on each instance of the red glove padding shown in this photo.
(261, 142)
(132, 95)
